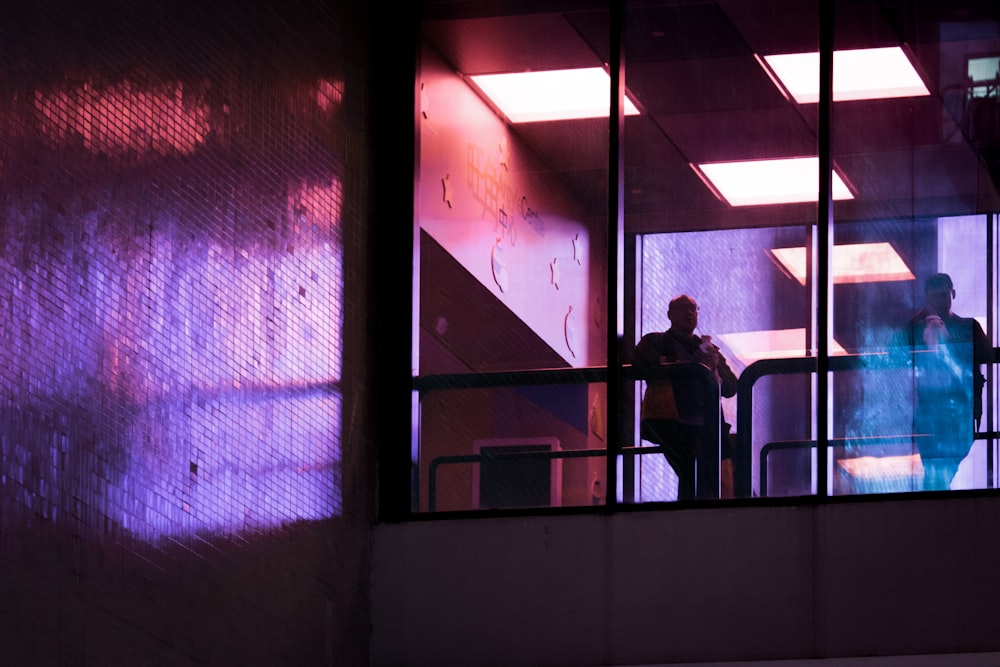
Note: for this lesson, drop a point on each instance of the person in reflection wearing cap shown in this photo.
(948, 352)
(673, 412)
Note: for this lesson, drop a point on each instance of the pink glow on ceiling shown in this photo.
(751, 346)
(852, 263)
(126, 118)
(526, 97)
(760, 182)
(858, 74)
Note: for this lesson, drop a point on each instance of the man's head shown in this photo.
(683, 314)
(939, 291)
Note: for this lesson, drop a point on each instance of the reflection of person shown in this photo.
(948, 352)
(673, 410)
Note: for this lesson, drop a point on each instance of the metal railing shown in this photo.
(690, 371)
(833, 443)
(743, 451)
(743, 455)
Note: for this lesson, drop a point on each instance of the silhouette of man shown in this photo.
(673, 411)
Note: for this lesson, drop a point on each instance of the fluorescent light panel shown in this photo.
(852, 263)
(858, 74)
(780, 181)
(527, 97)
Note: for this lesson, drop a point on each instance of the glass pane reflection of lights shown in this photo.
(887, 419)
(906, 421)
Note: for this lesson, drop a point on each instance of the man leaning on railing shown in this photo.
(673, 410)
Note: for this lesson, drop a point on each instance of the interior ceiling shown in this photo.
(691, 67)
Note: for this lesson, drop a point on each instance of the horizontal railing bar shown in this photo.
(479, 458)
(862, 441)
(590, 374)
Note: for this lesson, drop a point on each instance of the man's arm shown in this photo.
(647, 351)
(728, 382)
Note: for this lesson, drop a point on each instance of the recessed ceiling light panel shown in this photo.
(759, 182)
(527, 97)
(858, 74)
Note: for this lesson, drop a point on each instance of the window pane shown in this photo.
(721, 190)
(509, 447)
(918, 161)
(718, 265)
(512, 225)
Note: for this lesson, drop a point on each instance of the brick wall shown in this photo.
(181, 201)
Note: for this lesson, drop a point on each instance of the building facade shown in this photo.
(318, 352)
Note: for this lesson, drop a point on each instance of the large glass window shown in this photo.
(779, 183)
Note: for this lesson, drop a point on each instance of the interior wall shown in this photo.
(464, 328)
(181, 206)
(485, 197)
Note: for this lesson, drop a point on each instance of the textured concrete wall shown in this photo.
(904, 577)
(176, 480)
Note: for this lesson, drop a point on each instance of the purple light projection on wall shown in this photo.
(170, 343)
(258, 444)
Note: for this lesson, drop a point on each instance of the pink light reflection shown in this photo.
(881, 474)
(852, 263)
(880, 467)
(329, 94)
(751, 346)
(126, 118)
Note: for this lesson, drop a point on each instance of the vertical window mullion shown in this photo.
(615, 321)
(823, 246)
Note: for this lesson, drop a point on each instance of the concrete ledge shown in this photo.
(898, 577)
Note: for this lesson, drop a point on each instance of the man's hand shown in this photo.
(709, 353)
(935, 331)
